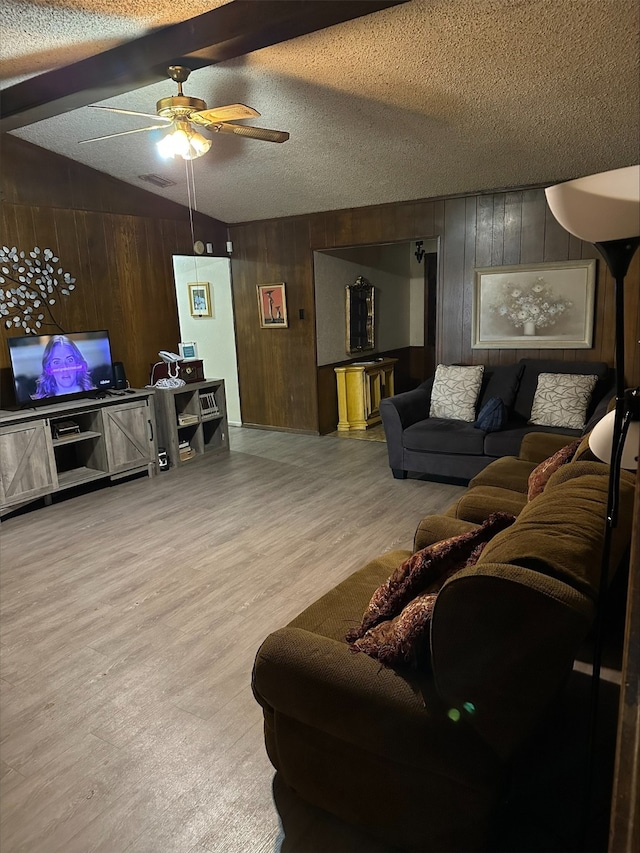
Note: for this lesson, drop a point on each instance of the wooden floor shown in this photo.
(374, 433)
(130, 618)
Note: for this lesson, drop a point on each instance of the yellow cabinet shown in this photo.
(361, 386)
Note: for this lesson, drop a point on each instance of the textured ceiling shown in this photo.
(434, 97)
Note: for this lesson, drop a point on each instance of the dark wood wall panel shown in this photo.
(275, 365)
(492, 229)
(34, 177)
(116, 240)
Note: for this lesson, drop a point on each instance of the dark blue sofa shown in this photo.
(456, 451)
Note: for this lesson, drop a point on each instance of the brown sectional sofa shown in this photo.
(420, 757)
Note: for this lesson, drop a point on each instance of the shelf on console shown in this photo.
(116, 438)
(76, 476)
(76, 436)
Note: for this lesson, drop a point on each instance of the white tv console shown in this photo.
(115, 437)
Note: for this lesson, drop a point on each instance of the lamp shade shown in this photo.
(599, 207)
(601, 440)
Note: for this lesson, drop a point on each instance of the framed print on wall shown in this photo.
(533, 306)
(272, 306)
(200, 299)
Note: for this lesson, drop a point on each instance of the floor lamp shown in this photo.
(604, 209)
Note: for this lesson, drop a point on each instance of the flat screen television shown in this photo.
(50, 368)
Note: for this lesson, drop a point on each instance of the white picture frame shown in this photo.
(188, 350)
(534, 306)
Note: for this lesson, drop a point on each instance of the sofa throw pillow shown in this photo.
(395, 624)
(493, 416)
(539, 477)
(561, 399)
(455, 392)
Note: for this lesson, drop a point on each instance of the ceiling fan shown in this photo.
(181, 112)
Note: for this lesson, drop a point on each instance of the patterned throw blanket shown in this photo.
(395, 624)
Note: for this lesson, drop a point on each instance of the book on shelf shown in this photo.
(208, 404)
(184, 419)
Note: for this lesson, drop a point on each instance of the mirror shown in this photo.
(360, 316)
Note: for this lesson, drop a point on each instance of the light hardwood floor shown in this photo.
(130, 618)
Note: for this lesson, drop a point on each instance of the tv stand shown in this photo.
(116, 437)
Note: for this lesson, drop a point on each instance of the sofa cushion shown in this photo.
(501, 381)
(539, 445)
(508, 472)
(492, 416)
(505, 638)
(455, 391)
(561, 533)
(539, 477)
(438, 435)
(344, 604)
(435, 528)
(477, 504)
(507, 442)
(562, 399)
(533, 367)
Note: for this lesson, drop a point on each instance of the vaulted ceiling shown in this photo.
(419, 99)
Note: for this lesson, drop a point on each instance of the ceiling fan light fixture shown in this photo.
(182, 112)
(183, 141)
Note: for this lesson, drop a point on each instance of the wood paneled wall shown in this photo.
(279, 382)
(118, 240)
(115, 239)
(276, 367)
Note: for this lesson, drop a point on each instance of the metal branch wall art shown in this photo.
(35, 283)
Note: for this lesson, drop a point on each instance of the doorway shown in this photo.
(214, 335)
(405, 302)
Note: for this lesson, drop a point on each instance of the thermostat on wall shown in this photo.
(188, 350)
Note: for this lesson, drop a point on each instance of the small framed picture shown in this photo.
(188, 350)
(200, 299)
(272, 306)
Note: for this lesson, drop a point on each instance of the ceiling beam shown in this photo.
(223, 33)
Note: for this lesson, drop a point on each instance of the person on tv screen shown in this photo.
(64, 370)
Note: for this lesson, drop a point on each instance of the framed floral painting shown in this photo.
(534, 306)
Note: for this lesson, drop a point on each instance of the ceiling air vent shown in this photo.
(157, 180)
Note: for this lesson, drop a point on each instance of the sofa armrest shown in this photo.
(538, 446)
(398, 413)
(408, 407)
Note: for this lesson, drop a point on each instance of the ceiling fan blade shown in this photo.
(123, 133)
(252, 132)
(129, 112)
(229, 113)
